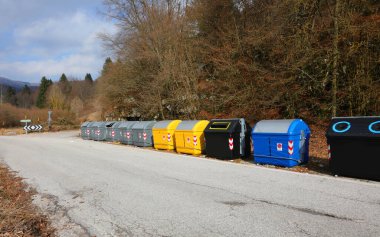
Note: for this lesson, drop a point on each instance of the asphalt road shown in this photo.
(94, 188)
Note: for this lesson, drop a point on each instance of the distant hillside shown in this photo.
(18, 85)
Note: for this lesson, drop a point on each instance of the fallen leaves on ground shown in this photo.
(18, 216)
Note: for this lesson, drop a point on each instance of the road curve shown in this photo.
(112, 190)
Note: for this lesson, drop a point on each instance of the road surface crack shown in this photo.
(303, 231)
(60, 216)
(121, 231)
(305, 210)
(294, 208)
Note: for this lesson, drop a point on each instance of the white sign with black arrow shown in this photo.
(33, 127)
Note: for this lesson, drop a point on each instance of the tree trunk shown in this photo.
(336, 57)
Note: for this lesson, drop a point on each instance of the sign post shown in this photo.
(49, 119)
(26, 121)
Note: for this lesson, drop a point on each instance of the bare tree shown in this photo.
(56, 99)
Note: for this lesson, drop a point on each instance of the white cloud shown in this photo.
(15, 12)
(54, 30)
(50, 37)
(52, 45)
(76, 65)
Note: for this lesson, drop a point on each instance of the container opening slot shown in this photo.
(375, 127)
(220, 125)
(341, 127)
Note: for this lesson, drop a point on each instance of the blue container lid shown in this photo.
(285, 126)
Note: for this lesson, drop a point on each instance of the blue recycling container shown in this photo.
(281, 142)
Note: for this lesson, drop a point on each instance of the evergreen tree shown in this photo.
(26, 90)
(63, 78)
(88, 78)
(25, 98)
(10, 96)
(64, 84)
(44, 86)
(106, 65)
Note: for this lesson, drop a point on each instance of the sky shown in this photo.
(50, 37)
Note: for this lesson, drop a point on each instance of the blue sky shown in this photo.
(50, 37)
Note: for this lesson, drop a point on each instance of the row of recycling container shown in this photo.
(354, 142)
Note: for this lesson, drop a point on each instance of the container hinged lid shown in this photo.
(273, 126)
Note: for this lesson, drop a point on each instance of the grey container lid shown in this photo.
(85, 124)
(116, 124)
(144, 125)
(90, 124)
(96, 124)
(102, 124)
(127, 124)
(162, 124)
(273, 126)
(187, 125)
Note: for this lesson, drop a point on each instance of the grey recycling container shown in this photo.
(281, 142)
(103, 128)
(89, 130)
(94, 129)
(354, 147)
(142, 134)
(111, 131)
(125, 132)
(85, 130)
(99, 131)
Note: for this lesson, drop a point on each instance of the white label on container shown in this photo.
(279, 146)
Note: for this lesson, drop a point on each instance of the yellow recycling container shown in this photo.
(190, 137)
(163, 134)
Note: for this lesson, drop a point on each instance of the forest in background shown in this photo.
(202, 59)
(259, 59)
(71, 101)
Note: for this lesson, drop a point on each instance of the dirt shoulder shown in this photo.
(20, 130)
(11, 131)
(18, 215)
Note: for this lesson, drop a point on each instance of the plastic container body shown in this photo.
(125, 132)
(142, 134)
(85, 130)
(281, 142)
(189, 137)
(97, 131)
(354, 147)
(228, 138)
(112, 131)
(163, 134)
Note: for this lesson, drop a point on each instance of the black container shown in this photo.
(228, 138)
(354, 147)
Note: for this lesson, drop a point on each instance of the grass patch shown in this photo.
(18, 215)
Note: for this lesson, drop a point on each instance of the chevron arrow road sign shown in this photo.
(36, 127)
